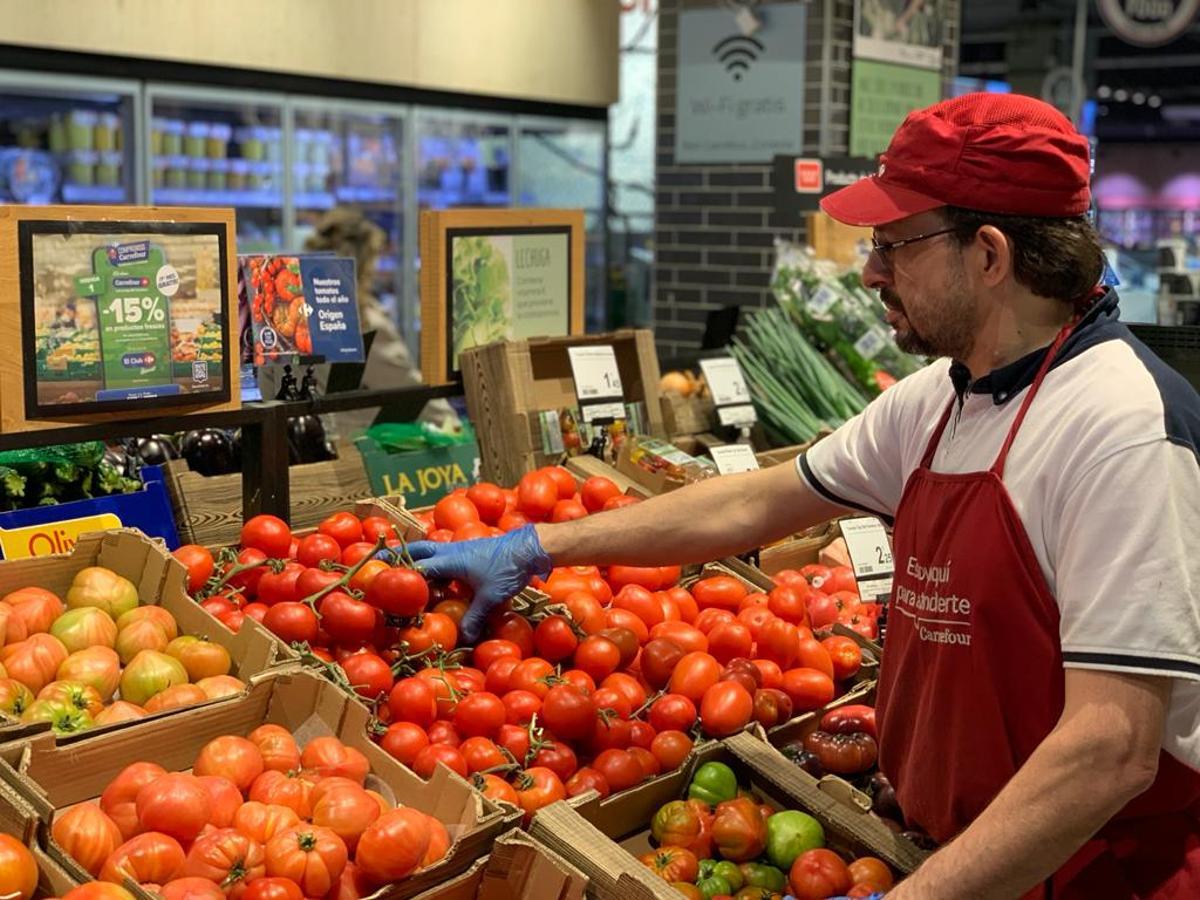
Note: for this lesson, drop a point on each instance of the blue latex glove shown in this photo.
(496, 569)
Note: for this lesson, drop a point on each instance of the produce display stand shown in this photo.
(51, 775)
(518, 866)
(19, 820)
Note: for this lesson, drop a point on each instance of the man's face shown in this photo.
(924, 287)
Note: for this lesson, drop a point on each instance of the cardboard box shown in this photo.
(611, 861)
(208, 509)
(660, 482)
(18, 819)
(586, 466)
(51, 775)
(518, 866)
(422, 477)
(508, 383)
(161, 580)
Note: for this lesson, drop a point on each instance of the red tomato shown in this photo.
(489, 501)
(672, 712)
(563, 480)
(481, 753)
(489, 651)
(226, 857)
(328, 757)
(730, 640)
(515, 739)
(641, 734)
(567, 510)
(368, 674)
(620, 769)
(537, 492)
(638, 600)
(568, 712)
(812, 655)
(499, 674)
(495, 788)
(771, 707)
(649, 578)
(347, 619)
(581, 681)
(597, 491)
(343, 527)
(435, 629)
(403, 741)
(479, 715)
(597, 656)
(627, 686)
(817, 874)
(511, 521)
(808, 688)
(537, 787)
(822, 609)
(87, 834)
(521, 706)
(754, 618)
(151, 857)
(789, 604)
(454, 511)
(687, 637)
(311, 856)
(317, 547)
(658, 660)
(273, 889)
(587, 779)
(726, 709)
(442, 732)
(236, 758)
(711, 617)
(558, 758)
(688, 609)
(872, 871)
(507, 625)
(398, 592)
(353, 554)
(376, 527)
(845, 655)
(554, 638)
(586, 611)
(427, 759)
(815, 574)
(532, 675)
(840, 578)
(176, 805)
(293, 622)
(769, 673)
(623, 618)
(199, 563)
(671, 749)
(694, 674)
(721, 591)
(751, 600)
(778, 642)
(270, 534)
(413, 700)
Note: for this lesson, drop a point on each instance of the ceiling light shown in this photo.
(1139, 98)
(1121, 95)
(1155, 101)
(1104, 92)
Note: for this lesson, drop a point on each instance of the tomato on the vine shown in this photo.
(399, 592)
(521, 706)
(587, 779)
(536, 787)
(673, 712)
(568, 713)
(479, 715)
(343, 527)
(403, 741)
(368, 674)
(507, 625)
(316, 547)
(555, 638)
(292, 622)
(487, 652)
(620, 769)
(376, 527)
(270, 534)
(199, 563)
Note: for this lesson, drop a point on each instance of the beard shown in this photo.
(948, 322)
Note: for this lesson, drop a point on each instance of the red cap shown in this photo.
(1001, 153)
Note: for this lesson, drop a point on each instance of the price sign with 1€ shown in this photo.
(597, 382)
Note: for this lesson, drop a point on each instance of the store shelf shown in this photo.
(243, 199)
(366, 194)
(319, 200)
(95, 193)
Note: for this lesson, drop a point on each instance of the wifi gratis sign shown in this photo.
(740, 98)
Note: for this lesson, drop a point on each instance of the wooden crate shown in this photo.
(509, 382)
(687, 415)
(208, 509)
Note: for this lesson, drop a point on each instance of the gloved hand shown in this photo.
(495, 568)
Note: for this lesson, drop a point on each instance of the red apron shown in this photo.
(972, 682)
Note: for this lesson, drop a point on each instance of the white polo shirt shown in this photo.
(1104, 474)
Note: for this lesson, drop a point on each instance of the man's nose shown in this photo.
(875, 274)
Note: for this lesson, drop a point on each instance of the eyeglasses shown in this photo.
(885, 248)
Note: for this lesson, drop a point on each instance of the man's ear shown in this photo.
(994, 257)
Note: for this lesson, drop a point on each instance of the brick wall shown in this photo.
(713, 238)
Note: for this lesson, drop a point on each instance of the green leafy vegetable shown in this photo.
(481, 309)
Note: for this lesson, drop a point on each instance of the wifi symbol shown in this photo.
(737, 52)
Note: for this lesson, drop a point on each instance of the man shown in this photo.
(1039, 701)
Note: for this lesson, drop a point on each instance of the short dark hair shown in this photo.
(1059, 258)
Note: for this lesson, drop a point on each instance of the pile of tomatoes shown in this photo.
(64, 662)
(256, 818)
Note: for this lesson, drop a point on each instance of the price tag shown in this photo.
(869, 345)
(728, 387)
(737, 415)
(725, 381)
(870, 549)
(822, 300)
(734, 458)
(597, 382)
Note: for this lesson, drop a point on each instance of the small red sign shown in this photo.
(810, 176)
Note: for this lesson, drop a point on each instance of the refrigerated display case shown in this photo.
(67, 139)
(220, 148)
(561, 165)
(463, 159)
(352, 155)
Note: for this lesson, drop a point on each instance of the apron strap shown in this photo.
(1047, 361)
(931, 447)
